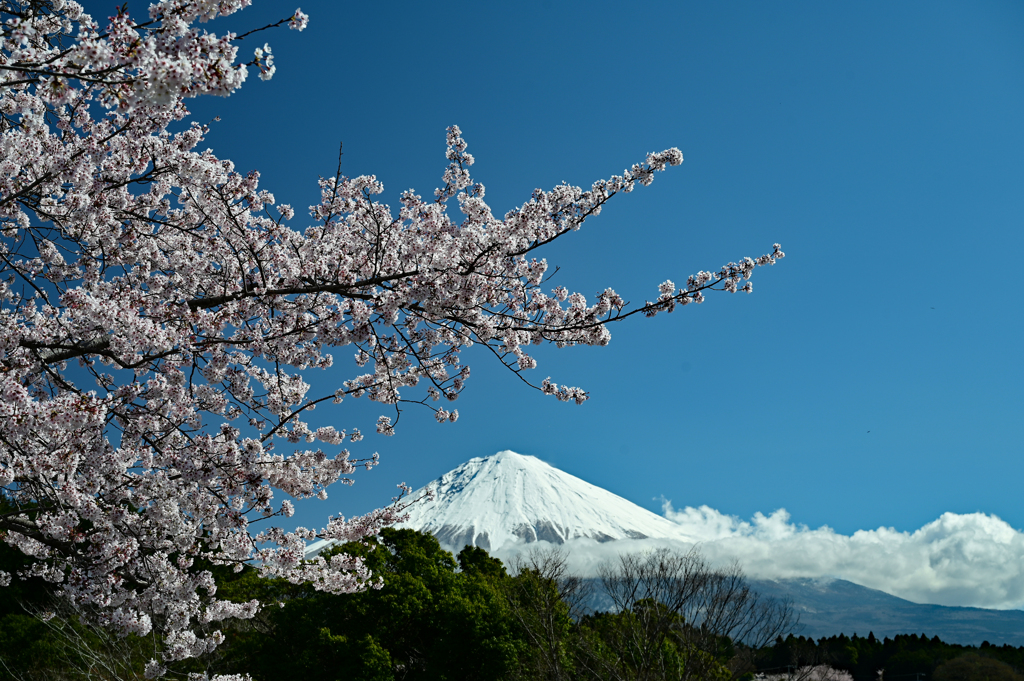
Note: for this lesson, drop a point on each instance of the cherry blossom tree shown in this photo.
(159, 317)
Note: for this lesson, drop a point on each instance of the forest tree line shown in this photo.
(441, 616)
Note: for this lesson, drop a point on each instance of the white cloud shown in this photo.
(967, 560)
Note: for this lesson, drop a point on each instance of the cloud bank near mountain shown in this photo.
(510, 503)
(959, 559)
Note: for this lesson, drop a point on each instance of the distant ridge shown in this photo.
(828, 606)
(507, 498)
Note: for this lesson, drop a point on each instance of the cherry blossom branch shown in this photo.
(199, 312)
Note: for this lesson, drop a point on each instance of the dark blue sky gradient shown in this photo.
(880, 143)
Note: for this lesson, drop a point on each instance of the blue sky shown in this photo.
(874, 378)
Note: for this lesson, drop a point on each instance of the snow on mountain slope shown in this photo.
(510, 498)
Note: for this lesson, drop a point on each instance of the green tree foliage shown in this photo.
(647, 643)
(433, 617)
(906, 657)
(438, 616)
(973, 667)
(543, 620)
(444, 617)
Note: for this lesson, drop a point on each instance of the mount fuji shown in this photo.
(507, 502)
(509, 498)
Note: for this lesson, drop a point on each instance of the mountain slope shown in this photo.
(829, 606)
(507, 498)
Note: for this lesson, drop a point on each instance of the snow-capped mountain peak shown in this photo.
(510, 498)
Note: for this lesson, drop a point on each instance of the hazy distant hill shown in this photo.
(832, 606)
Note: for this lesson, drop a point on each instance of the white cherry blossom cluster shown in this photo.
(160, 324)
